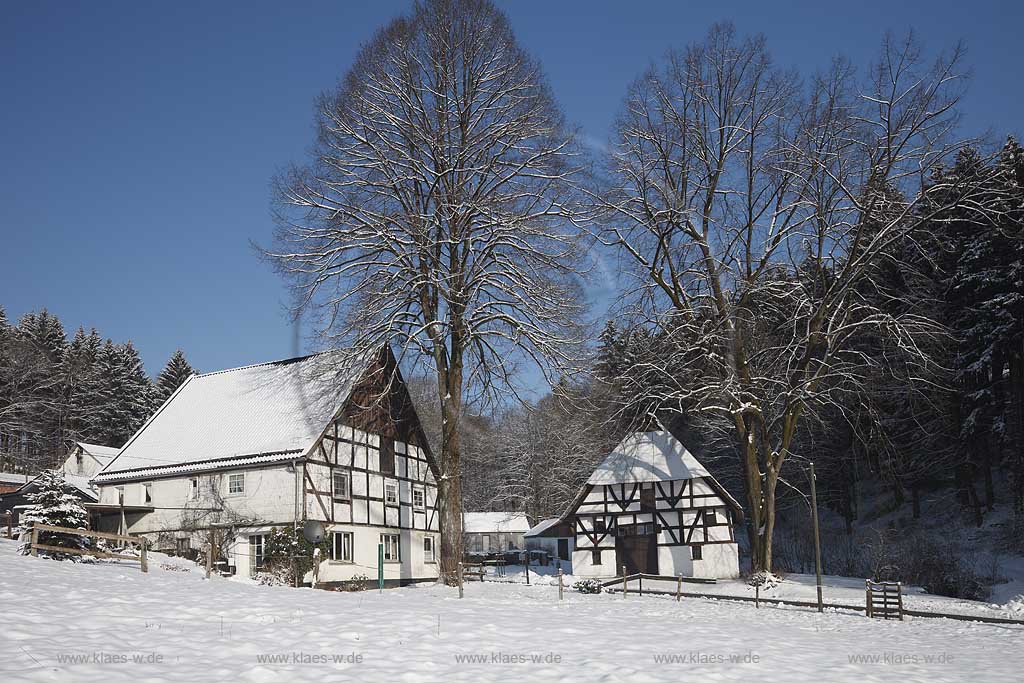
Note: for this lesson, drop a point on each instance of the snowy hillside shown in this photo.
(105, 622)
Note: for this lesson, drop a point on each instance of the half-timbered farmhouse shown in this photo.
(651, 507)
(243, 451)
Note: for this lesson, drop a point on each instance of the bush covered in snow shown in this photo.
(55, 503)
(591, 586)
(763, 580)
(288, 556)
(355, 584)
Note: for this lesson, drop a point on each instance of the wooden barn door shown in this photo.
(639, 553)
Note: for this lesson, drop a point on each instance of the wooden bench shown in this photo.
(884, 600)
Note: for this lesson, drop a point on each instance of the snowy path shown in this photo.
(66, 622)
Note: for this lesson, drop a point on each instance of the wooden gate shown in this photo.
(884, 600)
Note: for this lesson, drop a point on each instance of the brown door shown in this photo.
(639, 554)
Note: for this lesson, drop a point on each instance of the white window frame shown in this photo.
(256, 560)
(418, 492)
(429, 557)
(392, 547)
(391, 487)
(232, 479)
(345, 535)
(147, 493)
(193, 488)
(347, 493)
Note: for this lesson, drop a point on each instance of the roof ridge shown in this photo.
(279, 361)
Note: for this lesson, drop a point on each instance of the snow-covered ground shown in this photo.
(109, 622)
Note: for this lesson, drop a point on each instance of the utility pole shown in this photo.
(817, 536)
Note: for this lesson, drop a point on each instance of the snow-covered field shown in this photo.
(108, 622)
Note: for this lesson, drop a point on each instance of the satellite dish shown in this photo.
(313, 531)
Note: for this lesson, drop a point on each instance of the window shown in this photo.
(236, 483)
(147, 493)
(255, 552)
(600, 526)
(428, 549)
(710, 518)
(193, 488)
(182, 545)
(392, 551)
(341, 548)
(419, 499)
(391, 494)
(341, 485)
(595, 557)
(696, 552)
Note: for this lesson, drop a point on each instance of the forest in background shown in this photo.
(55, 391)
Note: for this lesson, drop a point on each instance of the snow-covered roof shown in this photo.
(83, 485)
(13, 478)
(103, 454)
(270, 409)
(494, 522)
(541, 527)
(647, 456)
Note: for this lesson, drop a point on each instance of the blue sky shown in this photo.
(137, 140)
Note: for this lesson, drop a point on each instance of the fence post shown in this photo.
(867, 597)
(817, 537)
(679, 589)
(35, 541)
(641, 584)
(625, 582)
(560, 583)
(757, 596)
(460, 580)
(143, 560)
(10, 532)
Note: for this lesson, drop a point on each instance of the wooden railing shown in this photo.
(35, 546)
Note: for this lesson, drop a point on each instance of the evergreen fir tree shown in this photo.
(56, 503)
(41, 343)
(127, 395)
(82, 384)
(171, 377)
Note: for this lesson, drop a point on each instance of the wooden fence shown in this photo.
(35, 546)
(618, 583)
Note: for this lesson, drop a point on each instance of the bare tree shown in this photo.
(436, 214)
(752, 206)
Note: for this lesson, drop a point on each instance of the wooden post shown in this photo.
(10, 532)
(625, 582)
(867, 597)
(142, 555)
(527, 567)
(757, 596)
(899, 594)
(460, 580)
(35, 541)
(817, 537)
(209, 557)
(560, 583)
(679, 589)
(641, 584)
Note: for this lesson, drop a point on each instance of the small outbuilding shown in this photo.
(494, 532)
(553, 536)
(650, 507)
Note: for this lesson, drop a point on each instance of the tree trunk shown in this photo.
(449, 486)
